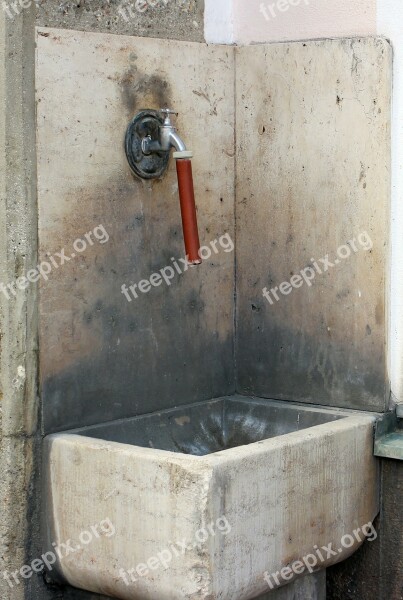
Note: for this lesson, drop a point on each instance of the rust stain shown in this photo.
(182, 421)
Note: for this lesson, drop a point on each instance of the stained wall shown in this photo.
(313, 197)
(105, 355)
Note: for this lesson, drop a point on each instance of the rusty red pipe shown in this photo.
(145, 165)
(188, 210)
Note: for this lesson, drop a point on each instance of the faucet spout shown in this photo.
(177, 142)
(168, 135)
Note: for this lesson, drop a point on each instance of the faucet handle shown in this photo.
(166, 112)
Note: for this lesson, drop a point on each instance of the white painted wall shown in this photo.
(390, 24)
(245, 22)
(280, 20)
(219, 21)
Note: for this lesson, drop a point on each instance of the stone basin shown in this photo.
(207, 501)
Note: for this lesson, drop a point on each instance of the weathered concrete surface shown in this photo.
(311, 587)
(313, 173)
(19, 428)
(219, 424)
(280, 498)
(375, 572)
(20, 541)
(176, 19)
(102, 357)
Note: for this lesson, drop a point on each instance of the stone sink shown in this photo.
(208, 501)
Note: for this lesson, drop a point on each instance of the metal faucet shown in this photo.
(168, 137)
(148, 142)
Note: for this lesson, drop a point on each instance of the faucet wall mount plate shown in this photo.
(145, 125)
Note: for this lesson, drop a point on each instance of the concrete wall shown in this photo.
(313, 175)
(20, 424)
(314, 19)
(104, 355)
(169, 19)
(19, 431)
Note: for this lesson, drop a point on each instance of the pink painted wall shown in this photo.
(280, 20)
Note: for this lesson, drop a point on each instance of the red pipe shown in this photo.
(188, 210)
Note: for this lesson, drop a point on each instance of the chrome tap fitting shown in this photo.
(168, 136)
(149, 138)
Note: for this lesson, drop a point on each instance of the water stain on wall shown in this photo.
(105, 356)
(300, 199)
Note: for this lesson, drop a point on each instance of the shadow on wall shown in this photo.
(128, 358)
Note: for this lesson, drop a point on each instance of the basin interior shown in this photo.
(215, 425)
